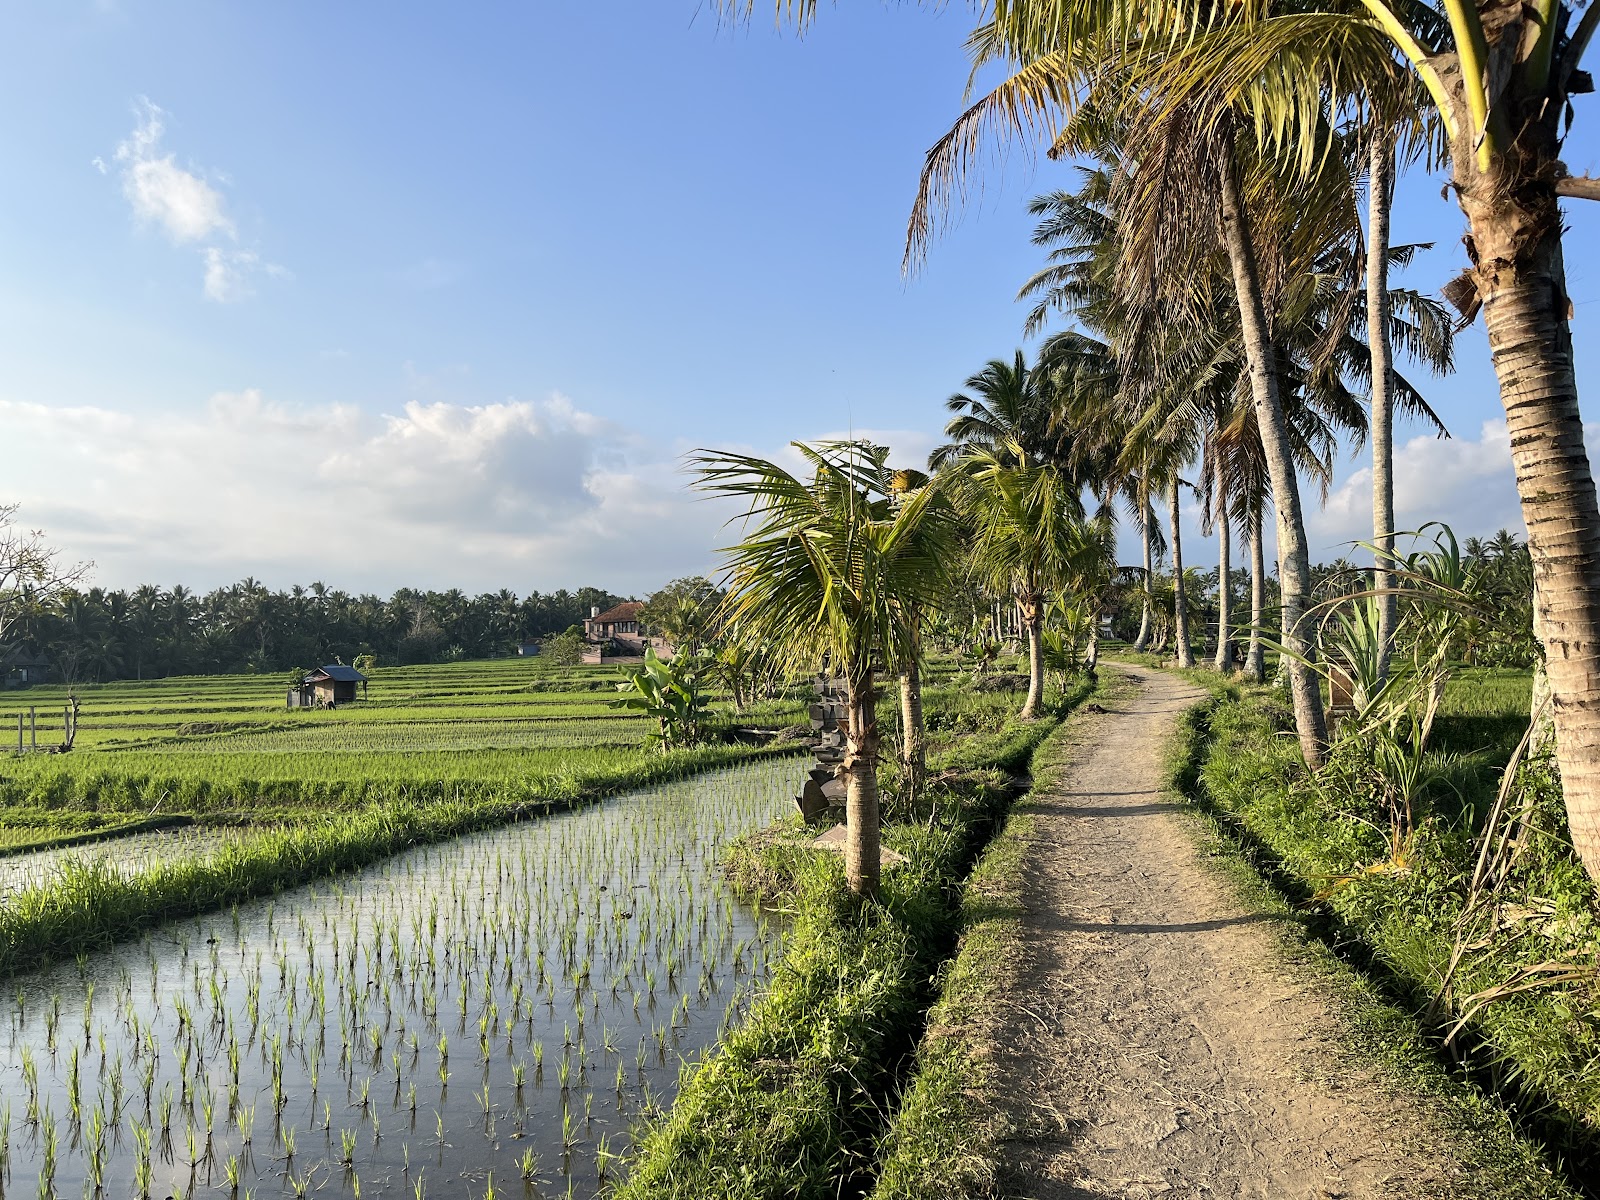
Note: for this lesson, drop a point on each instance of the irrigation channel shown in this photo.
(504, 1004)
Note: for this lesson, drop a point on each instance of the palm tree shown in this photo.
(913, 743)
(1499, 76)
(1022, 520)
(826, 574)
(1008, 412)
(1093, 576)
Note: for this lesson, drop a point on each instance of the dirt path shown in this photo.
(1165, 1046)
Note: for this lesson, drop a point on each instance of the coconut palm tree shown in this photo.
(1005, 410)
(1023, 522)
(1499, 76)
(825, 571)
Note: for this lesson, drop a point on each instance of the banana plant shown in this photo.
(670, 693)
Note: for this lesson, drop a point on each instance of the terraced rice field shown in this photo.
(228, 744)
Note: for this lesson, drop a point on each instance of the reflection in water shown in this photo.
(502, 1005)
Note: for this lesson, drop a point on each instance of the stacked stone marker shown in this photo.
(830, 715)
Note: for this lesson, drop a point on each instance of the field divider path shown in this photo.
(1161, 1043)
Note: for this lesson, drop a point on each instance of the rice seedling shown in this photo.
(512, 939)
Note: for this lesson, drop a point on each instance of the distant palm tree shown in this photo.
(1006, 411)
(826, 575)
(1023, 521)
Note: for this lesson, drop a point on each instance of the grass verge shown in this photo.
(1519, 1099)
(797, 1099)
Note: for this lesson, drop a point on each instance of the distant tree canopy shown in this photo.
(684, 611)
(149, 632)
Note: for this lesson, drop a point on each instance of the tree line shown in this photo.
(97, 634)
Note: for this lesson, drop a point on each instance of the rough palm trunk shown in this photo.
(913, 753)
(862, 855)
(1224, 659)
(1521, 280)
(1255, 663)
(1294, 563)
(1380, 195)
(1091, 655)
(1180, 597)
(1514, 244)
(1140, 642)
(1033, 617)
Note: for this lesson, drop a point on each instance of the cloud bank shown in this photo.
(1467, 482)
(520, 494)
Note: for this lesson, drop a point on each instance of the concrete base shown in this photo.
(834, 840)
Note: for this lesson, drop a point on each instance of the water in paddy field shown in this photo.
(127, 855)
(507, 1003)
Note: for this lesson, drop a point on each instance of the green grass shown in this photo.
(226, 746)
(1538, 1052)
(797, 1098)
(435, 751)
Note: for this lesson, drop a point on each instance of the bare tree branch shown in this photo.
(31, 572)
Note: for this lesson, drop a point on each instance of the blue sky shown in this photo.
(389, 294)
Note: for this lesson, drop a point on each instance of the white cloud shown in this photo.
(228, 274)
(521, 494)
(161, 192)
(184, 205)
(1467, 482)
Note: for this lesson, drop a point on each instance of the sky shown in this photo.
(440, 296)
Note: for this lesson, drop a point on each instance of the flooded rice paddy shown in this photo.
(126, 855)
(494, 1011)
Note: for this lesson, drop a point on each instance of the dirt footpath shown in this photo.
(1165, 1046)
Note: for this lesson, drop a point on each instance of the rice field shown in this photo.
(125, 856)
(487, 1013)
(229, 744)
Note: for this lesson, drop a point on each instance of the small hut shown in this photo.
(21, 667)
(328, 687)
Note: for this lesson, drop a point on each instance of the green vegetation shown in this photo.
(797, 1099)
(1485, 928)
(453, 1018)
(943, 1138)
(226, 748)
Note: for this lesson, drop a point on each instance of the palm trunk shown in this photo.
(1380, 192)
(1255, 663)
(1091, 656)
(1224, 592)
(913, 753)
(1294, 564)
(1033, 617)
(1180, 599)
(862, 854)
(1521, 278)
(1140, 642)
